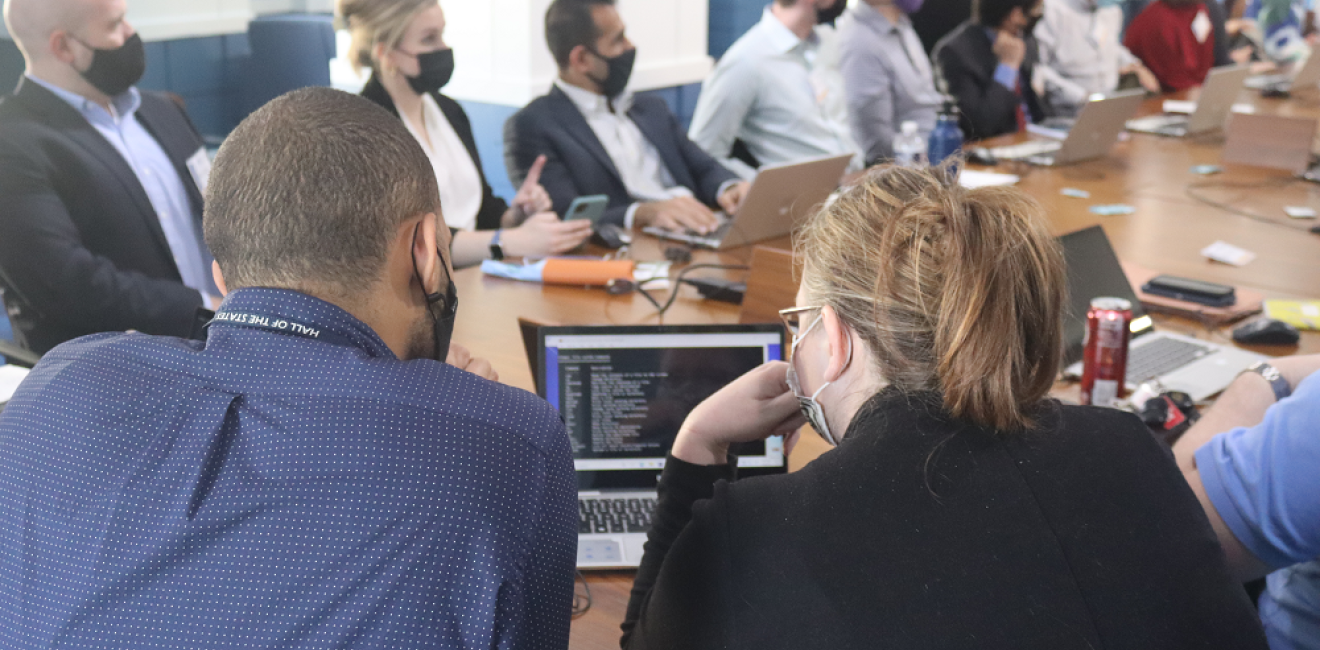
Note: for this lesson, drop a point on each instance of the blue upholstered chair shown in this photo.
(289, 51)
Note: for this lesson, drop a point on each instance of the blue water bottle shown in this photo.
(947, 139)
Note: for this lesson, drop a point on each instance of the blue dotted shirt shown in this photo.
(275, 490)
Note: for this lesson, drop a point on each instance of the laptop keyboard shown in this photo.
(1161, 356)
(725, 226)
(615, 515)
(1029, 149)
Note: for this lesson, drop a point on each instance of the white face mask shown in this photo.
(811, 409)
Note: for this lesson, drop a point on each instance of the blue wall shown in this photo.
(729, 19)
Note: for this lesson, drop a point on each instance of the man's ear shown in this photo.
(59, 46)
(219, 277)
(577, 59)
(424, 253)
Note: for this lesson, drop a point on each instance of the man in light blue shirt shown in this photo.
(103, 184)
(764, 92)
(1259, 485)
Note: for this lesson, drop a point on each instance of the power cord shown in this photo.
(581, 602)
(678, 284)
(1193, 192)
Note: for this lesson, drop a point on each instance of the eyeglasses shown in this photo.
(792, 318)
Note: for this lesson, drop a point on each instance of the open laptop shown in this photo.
(1222, 87)
(1091, 136)
(779, 199)
(1182, 363)
(623, 392)
(1304, 77)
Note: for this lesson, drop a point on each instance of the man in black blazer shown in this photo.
(988, 65)
(598, 139)
(102, 185)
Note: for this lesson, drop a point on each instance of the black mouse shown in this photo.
(1266, 331)
(1315, 229)
(611, 236)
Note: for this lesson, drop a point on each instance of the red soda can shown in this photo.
(1104, 365)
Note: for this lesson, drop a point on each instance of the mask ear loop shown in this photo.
(448, 300)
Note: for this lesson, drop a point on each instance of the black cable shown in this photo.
(581, 602)
(1192, 192)
(678, 283)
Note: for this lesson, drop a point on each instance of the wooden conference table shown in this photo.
(1166, 234)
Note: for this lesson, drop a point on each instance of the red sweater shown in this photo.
(1164, 37)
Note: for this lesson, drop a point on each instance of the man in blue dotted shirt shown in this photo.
(1252, 461)
(309, 477)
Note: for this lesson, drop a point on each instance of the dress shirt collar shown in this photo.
(593, 103)
(782, 38)
(871, 16)
(335, 324)
(125, 105)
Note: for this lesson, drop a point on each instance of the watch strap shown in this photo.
(496, 251)
(1271, 374)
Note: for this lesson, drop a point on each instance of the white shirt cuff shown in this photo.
(629, 215)
(724, 187)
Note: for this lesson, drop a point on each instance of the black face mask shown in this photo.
(1031, 25)
(828, 16)
(443, 308)
(115, 71)
(437, 69)
(620, 71)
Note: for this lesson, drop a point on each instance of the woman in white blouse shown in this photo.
(402, 42)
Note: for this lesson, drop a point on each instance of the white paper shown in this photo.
(1299, 212)
(1227, 253)
(10, 378)
(1244, 108)
(972, 179)
(199, 165)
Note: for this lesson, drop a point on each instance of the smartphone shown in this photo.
(587, 207)
(1197, 291)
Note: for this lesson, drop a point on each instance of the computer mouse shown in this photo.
(1266, 331)
(1316, 229)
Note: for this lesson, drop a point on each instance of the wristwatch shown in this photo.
(1271, 374)
(496, 251)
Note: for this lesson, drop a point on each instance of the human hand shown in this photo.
(731, 200)
(1146, 78)
(460, 358)
(680, 213)
(530, 199)
(1010, 49)
(544, 234)
(755, 406)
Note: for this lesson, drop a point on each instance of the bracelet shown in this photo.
(1271, 374)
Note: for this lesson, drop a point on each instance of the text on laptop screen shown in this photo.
(624, 396)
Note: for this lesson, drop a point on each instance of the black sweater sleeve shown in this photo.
(649, 618)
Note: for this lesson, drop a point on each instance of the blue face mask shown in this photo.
(811, 409)
(1101, 4)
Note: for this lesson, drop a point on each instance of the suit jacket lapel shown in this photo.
(655, 132)
(570, 118)
(152, 123)
(58, 113)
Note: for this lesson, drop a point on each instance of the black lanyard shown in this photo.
(281, 325)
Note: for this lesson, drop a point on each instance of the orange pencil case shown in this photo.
(596, 273)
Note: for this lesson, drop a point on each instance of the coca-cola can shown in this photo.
(1104, 365)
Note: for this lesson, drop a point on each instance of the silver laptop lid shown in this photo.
(1098, 126)
(1222, 87)
(782, 196)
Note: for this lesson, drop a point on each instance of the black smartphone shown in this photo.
(1197, 291)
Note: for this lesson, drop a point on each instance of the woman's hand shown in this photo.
(530, 199)
(544, 234)
(754, 407)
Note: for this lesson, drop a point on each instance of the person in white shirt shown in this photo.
(402, 41)
(763, 93)
(599, 138)
(1079, 40)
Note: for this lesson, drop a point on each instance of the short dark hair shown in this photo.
(568, 24)
(308, 191)
(992, 13)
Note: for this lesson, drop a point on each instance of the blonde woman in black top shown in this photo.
(962, 508)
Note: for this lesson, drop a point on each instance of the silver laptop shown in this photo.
(779, 199)
(1091, 136)
(1222, 87)
(623, 392)
(1307, 76)
(1178, 362)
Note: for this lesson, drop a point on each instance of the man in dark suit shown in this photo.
(102, 184)
(599, 139)
(988, 65)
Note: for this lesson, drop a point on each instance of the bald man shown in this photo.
(101, 184)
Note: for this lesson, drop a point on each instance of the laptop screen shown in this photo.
(624, 392)
(1093, 272)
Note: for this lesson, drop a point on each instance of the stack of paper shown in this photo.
(10, 378)
(1302, 314)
